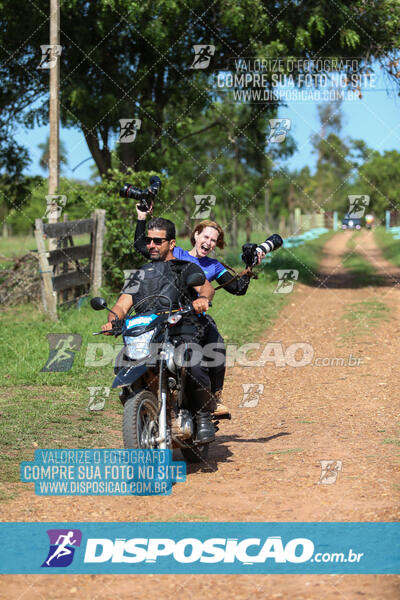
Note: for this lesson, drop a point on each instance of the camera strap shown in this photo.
(235, 276)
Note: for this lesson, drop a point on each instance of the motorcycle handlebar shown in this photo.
(117, 329)
(188, 308)
(113, 331)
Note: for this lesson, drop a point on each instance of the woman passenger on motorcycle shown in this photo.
(205, 237)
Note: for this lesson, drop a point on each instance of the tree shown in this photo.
(21, 85)
(334, 165)
(223, 153)
(13, 185)
(144, 70)
(379, 177)
(44, 158)
(124, 59)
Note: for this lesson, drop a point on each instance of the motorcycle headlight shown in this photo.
(139, 346)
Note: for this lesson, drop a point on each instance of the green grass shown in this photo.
(361, 317)
(362, 271)
(305, 259)
(352, 242)
(289, 451)
(389, 246)
(395, 441)
(16, 246)
(13, 247)
(48, 417)
(25, 329)
(48, 409)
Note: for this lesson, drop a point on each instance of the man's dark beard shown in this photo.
(155, 257)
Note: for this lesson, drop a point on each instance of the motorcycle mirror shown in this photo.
(174, 319)
(195, 279)
(98, 303)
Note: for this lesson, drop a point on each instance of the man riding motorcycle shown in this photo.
(205, 237)
(164, 277)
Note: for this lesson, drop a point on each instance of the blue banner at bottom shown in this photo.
(195, 548)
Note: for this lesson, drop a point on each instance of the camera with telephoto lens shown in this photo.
(145, 197)
(250, 251)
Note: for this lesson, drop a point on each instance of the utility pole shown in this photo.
(54, 112)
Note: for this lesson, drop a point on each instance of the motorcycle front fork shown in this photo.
(162, 441)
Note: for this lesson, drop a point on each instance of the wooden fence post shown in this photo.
(97, 256)
(50, 297)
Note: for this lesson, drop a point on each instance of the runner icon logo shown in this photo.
(251, 394)
(357, 205)
(50, 55)
(62, 547)
(329, 471)
(279, 129)
(204, 53)
(203, 206)
(97, 397)
(133, 277)
(128, 130)
(54, 206)
(287, 279)
(62, 351)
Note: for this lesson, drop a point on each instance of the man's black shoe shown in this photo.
(205, 428)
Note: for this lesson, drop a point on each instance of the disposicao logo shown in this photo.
(62, 547)
(190, 550)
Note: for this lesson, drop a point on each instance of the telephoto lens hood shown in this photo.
(144, 197)
(155, 184)
(272, 243)
(251, 251)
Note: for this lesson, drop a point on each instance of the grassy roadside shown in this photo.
(361, 317)
(389, 246)
(362, 271)
(49, 410)
(15, 246)
(49, 417)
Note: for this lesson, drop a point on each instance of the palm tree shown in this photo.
(44, 158)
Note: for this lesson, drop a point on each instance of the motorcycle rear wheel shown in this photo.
(195, 453)
(140, 421)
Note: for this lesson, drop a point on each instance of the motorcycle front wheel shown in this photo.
(140, 421)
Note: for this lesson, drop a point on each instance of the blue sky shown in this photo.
(374, 118)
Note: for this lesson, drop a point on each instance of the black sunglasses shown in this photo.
(157, 240)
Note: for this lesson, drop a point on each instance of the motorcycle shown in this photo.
(157, 413)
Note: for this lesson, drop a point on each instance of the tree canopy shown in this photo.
(128, 59)
(124, 59)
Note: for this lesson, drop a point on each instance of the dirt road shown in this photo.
(342, 406)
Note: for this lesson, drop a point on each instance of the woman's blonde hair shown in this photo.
(199, 228)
